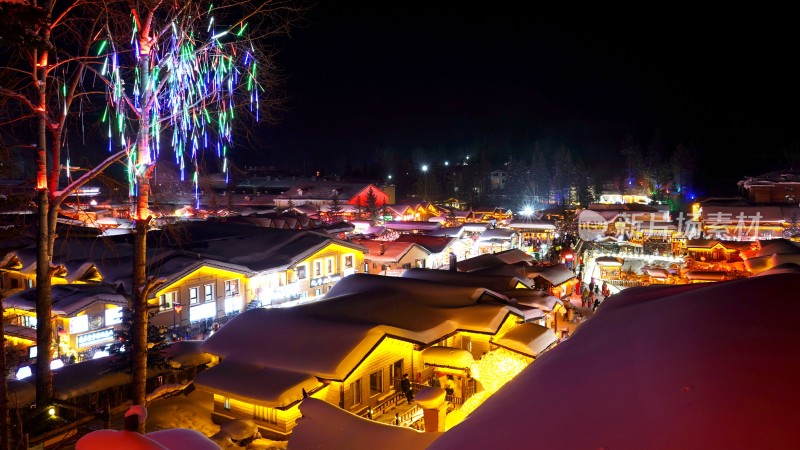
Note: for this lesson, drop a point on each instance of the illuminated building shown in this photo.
(351, 349)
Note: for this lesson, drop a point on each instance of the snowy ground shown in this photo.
(194, 411)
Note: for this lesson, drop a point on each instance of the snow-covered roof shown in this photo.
(411, 225)
(326, 190)
(530, 339)
(187, 354)
(762, 263)
(534, 298)
(497, 233)
(514, 256)
(556, 274)
(329, 338)
(609, 261)
(447, 232)
(490, 260)
(9, 329)
(73, 380)
(258, 249)
(68, 299)
(705, 275)
(783, 268)
(387, 251)
(494, 282)
(532, 224)
(508, 270)
(447, 357)
(778, 246)
(658, 272)
(434, 244)
(475, 227)
(256, 384)
(326, 426)
(663, 376)
(732, 214)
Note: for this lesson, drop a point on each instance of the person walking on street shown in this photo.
(596, 304)
(405, 386)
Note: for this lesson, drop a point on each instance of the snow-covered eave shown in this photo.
(528, 355)
(73, 311)
(423, 339)
(300, 257)
(200, 264)
(283, 406)
(394, 258)
(80, 272)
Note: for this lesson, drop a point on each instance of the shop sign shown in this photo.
(95, 337)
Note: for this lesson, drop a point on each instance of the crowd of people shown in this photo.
(593, 294)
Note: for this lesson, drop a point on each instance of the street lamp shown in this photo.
(424, 167)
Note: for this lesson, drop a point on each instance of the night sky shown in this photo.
(445, 77)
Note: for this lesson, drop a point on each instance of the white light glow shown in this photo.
(56, 364)
(424, 167)
(24, 372)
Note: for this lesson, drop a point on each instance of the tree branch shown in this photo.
(62, 195)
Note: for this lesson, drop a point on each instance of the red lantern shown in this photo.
(178, 308)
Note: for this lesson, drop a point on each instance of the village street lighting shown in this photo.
(178, 308)
(424, 167)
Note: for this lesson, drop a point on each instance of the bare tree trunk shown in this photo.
(4, 419)
(140, 292)
(44, 327)
(139, 308)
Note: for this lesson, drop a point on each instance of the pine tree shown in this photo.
(633, 160)
(335, 208)
(120, 349)
(371, 206)
(682, 164)
(653, 163)
(539, 174)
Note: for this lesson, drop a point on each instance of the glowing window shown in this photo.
(376, 383)
(355, 388)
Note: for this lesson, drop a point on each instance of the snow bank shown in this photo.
(659, 368)
(192, 411)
